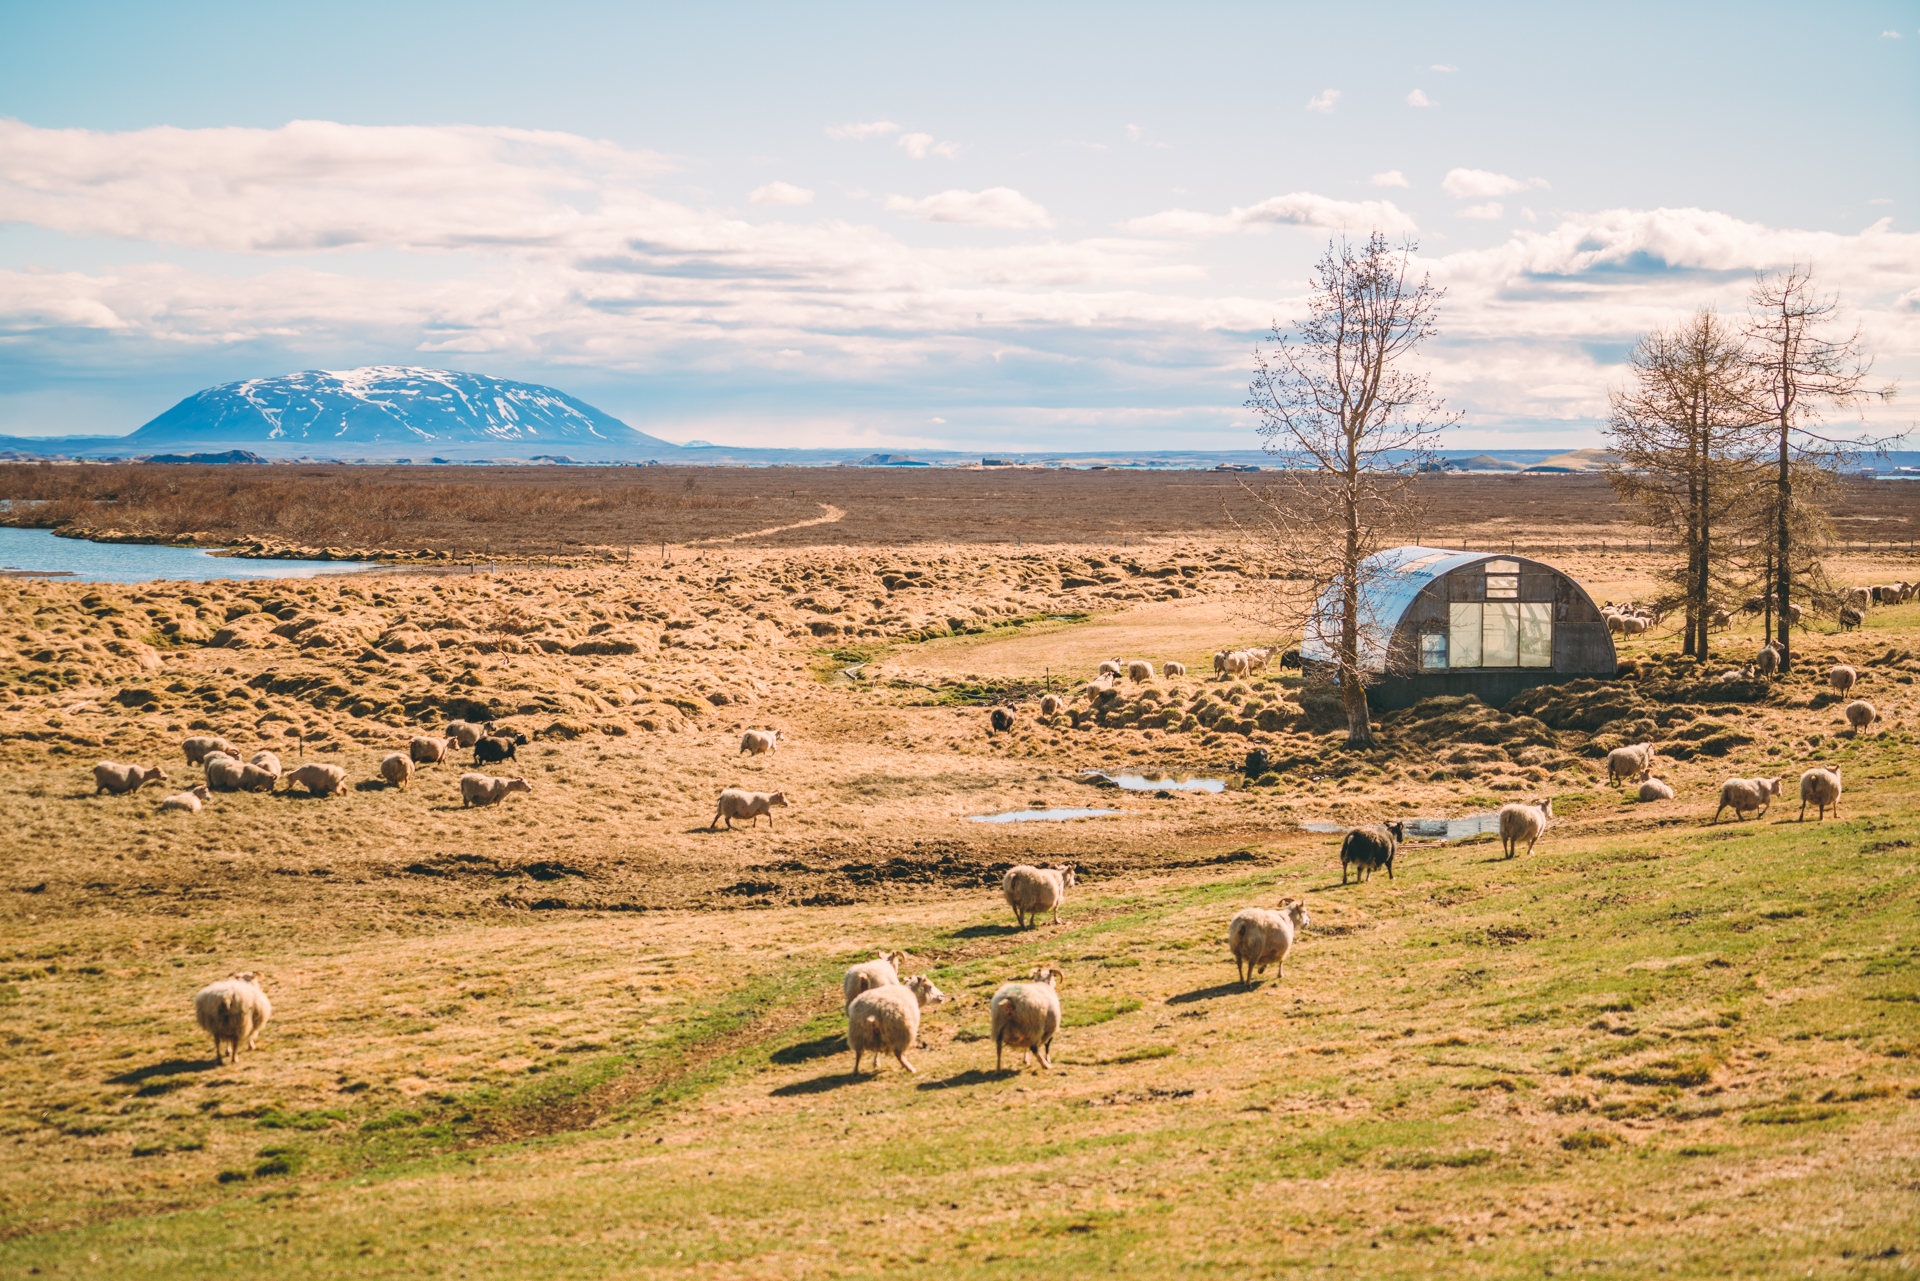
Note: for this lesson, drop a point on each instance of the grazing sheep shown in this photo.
(111, 776)
(1654, 789)
(1139, 671)
(1850, 618)
(1220, 663)
(188, 800)
(266, 761)
(1000, 722)
(1173, 669)
(1842, 678)
(396, 768)
(1050, 704)
(1720, 620)
(1239, 664)
(318, 779)
(197, 748)
(1859, 597)
(1820, 787)
(467, 733)
(1109, 668)
(736, 803)
(1290, 658)
(1026, 1015)
(428, 749)
(882, 971)
(1860, 714)
(1030, 891)
(484, 789)
(758, 742)
(1616, 624)
(231, 1011)
(1743, 794)
(1369, 847)
(888, 1019)
(1524, 822)
(224, 774)
(1629, 762)
(1258, 937)
(1767, 661)
(497, 748)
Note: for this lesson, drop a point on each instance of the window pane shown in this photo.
(1433, 652)
(1501, 587)
(1536, 635)
(1464, 649)
(1503, 567)
(1500, 636)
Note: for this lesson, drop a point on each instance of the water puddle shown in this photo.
(38, 553)
(1157, 782)
(1040, 816)
(1426, 829)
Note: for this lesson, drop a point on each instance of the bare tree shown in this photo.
(1685, 434)
(1798, 369)
(1351, 425)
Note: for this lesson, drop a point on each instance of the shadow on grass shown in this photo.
(986, 931)
(972, 1076)
(172, 1067)
(1208, 993)
(820, 1084)
(807, 1051)
(372, 785)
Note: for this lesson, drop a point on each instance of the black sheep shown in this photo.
(1369, 847)
(499, 748)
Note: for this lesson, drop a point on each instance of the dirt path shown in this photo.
(833, 514)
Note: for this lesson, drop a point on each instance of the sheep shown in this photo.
(758, 742)
(888, 1018)
(428, 749)
(1625, 762)
(1859, 597)
(231, 1011)
(1172, 669)
(1860, 714)
(1109, 668)
(266, 761)
(1000, 722)
(318, 779)
(467, 733)
(1258, 937)
(1030, 891)
(736, 803)
(1260, 656)
(1025, 1015)
(1767, 661)
(1633, 624)
(1720, 620)
(396, 768)
(1220, 663)
(484, 789)
(882, 971)
(1528, 822)
(1239, 664)
(1139, 671)
(1616, 624)
(188, 800)
(1820, 787)
(1050, 705)
(1290, 658)
(197, 747)
(250, 778)
(497, 748)
(1850, 618)
(1654, 789)
(1370, 847)
(1743, 794)
(224, 774)
(111, 776)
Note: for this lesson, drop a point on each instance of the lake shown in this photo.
(38, 551)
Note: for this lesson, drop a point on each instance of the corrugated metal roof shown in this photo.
(1390, 582)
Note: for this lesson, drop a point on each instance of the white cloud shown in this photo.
(862, 132)
(1442, 67)
(1135, 133)
(1418, 98)
(936, 420)
(921, 145)
(1391, 178)
(781, 193)
(994, 207)
(1529, 214)
(1466, 184)
(1323, 101)
(1890, 35)
(1297, 209)
(1492, 209)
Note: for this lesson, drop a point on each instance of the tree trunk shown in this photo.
(1703, 569)
(1783, 554)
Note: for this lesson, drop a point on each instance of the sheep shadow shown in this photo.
(170, 1067)
(372, 785)
(820, 1084)
(1231, 988)
(807, 1051)
(985, 931)
(972, 1076)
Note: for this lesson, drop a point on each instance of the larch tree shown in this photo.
(1350, 423)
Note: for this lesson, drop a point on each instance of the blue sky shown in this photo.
(996, 226)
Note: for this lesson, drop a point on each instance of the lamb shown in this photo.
(736, 803)
(396, 768)
(1767, 661)
(231, 1011)
(429, 750)
(467, 733)
(266, 761)
(1655, 789)
(1050, 704)
(1026, 1015)
(318, 779)
(1001, 722)
(1109, 668)
(497, 748)
(1172, 669)
(1743, 794)
(188, 800)
(1625, 762)
(1139, 671)
(1030, 891)
(888, 1018)
(1259, 937)
(1528, 822)
(758, 742)
(111, 776)
(484, 789)
(197, 747)
(1820, 787)
(1370, 847)
(1860, 714)
(882, 971)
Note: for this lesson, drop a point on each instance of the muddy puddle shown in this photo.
(1426, 829)
(1041, 816)
(1153, 782)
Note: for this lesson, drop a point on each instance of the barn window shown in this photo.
(1433, 652)
(1497, 634)
(1464, 633)
(1536, 635)
(1503, 580)
(1500, 636)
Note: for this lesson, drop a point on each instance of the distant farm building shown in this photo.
(1436, 621)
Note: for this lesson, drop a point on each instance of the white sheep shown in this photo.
(396, 768)
(759, 741)
(1743, 794)
(1259, 656)
(318, 779)
(111, 776)
(1220, 663)
(484, 789)
(1258, 937)
(426, 749)
(1767, 661)
(1860, 714)
(1173, 669)
(1629, 762)
(1026, 1015)
(882, 971)
(738, 803)
(1109, 668)
(1654, 789)
(197, 748)
(1524, 822)
(1139, 671)
(467, 733)
(1820, 787)
(267, 761)
(1842, 678)
(1050, 704)
(224, 774)
(1030, 891)
(231, 1011)
(887, 1019)
(1239, 664)
(188, 800)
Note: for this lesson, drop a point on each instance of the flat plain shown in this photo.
(580, 1034)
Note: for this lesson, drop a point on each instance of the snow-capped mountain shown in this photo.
(393, 407)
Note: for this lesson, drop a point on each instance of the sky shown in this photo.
(1004, 227)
